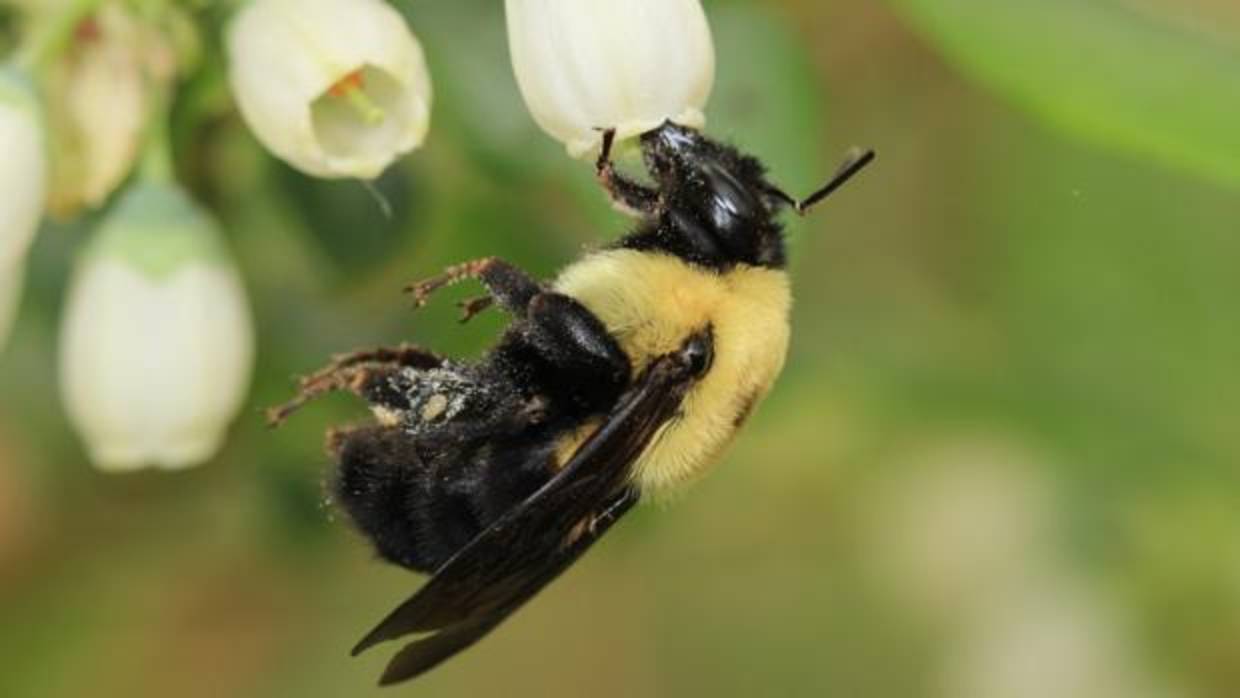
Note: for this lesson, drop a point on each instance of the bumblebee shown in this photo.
(623, 378)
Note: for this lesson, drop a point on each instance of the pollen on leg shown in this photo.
(434, 407)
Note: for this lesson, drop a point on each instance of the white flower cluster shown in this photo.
(157, 341)
(339, 88)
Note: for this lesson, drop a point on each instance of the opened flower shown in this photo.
(335, 88)
(587, 65)
(157, 341)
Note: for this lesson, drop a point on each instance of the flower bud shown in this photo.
(100, 97)
(23, 167)
(335, 88)
(585, 65)
(157, 342)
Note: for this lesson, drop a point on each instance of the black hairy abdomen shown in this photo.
(419, 501)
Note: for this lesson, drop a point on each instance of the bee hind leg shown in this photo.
(472, 306)
(367, 374)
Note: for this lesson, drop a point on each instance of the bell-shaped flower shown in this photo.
(23, 167)
(586, 65)
(335, 88)
(101, 93)
(157, 341)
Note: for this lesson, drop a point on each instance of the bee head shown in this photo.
(718, 206)
(718, 202)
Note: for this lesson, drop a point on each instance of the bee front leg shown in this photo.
(626, 195)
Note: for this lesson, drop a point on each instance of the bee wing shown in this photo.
(423, 655)
(514, 558)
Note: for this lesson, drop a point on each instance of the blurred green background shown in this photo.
(1003, 460)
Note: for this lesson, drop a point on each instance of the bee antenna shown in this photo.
(854, 163)
(783, 196)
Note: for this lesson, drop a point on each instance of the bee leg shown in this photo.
(627, 195)
(562, 329)
(472, 306)
(359, 379)
(570, 339)
(509, 286)
(401, 355)
(579, 354)
(367, 374)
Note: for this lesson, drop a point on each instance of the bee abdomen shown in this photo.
(381, 483)
(420, 503)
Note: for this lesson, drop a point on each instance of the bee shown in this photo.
(623, 378)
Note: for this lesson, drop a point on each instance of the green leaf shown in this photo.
(1101, 71)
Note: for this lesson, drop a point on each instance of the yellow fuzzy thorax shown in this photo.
(651, 303)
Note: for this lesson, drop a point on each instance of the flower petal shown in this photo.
(585, 65)
(23, 169)
(154, 366)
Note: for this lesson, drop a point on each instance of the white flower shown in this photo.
(10, 295)
(963, 523)
(336, 88)
(100, 97)
(157, 342)
(584, 65)
(23, 167)
(1051, 638)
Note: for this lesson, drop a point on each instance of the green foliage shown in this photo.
(1102, 70)
(990, 298)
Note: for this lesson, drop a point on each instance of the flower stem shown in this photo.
(157, 162)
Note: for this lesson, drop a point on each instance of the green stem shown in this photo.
(52, 40)
(157, 162)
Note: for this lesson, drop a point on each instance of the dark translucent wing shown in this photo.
(420, 657)
(423, 655)
(514, 558)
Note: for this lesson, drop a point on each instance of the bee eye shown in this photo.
(698, 235)
(730, 207)
(729, 194)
